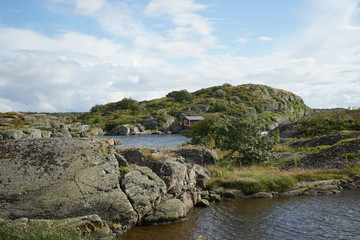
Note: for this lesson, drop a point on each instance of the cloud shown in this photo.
(241, 41)
(88, 7)
(73, 71)
(265, 38)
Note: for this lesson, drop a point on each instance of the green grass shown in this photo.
(8, 232)
(267, 179)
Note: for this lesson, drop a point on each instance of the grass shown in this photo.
(9, 232)
(255, 179)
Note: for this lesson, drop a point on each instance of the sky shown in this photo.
(69, 55)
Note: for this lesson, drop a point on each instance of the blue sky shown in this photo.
(68, 55)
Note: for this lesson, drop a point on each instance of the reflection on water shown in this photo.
(306, 217)
(150, 141)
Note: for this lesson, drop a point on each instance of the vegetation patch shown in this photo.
(124, 170)
(43, 232)
(267, 179)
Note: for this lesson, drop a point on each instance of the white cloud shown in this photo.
(241, 41)
(73, 71)
(265, 38)
(88, 7)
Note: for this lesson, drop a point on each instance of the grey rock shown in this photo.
(144, 189)
(197, 156)
(213, 197)
(41, 120)
(202, 176)
(200, 108)
(262, 195)
(120, 130)
(12, 134)
(229, 193)
(167, 122)
(333, 157)
(121, 160)
(60, 178)
(168, 211)
(135, 156)
(65, 131)
(174, 174)
(203, 203)
(95, 132)
(314, 188)
(34, 133)
(150, 123)
(91, 225)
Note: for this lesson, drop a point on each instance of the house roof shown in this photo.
(194, 118)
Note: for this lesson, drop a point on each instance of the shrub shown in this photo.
(239, 137)
(180, 96)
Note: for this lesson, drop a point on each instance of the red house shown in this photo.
(188, 121)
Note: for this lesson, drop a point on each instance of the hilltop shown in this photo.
(270, 105)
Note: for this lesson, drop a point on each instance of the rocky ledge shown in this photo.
(65, 178)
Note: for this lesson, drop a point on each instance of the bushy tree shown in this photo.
(203, 132)
(180, 96)
(239, 137)
(128, 103)
(243, 139)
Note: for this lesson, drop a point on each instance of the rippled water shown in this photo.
(306, 217)
(150, 141)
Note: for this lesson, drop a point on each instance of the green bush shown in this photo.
(180, 96)
(239, 137)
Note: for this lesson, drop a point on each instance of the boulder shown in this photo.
(65, 131)
(41, 120)
(200, 108)
(168, 211)
(201, 156)
(34, 133)
(314, 188)
(60, 178)
(144, 189)
(95, 132)
(202, 175)
(12, 134)
(167, 121)
(120, 130)
(261, 195)
(150, 123)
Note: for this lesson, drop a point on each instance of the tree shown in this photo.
(243, 140)
(180, 96)
(239, 137)
(203, 131)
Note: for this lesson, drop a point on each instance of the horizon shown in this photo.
(70, 55)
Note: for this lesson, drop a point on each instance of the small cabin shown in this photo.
(188, 121)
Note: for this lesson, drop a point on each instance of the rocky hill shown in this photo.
(20, 125)
(270, 105)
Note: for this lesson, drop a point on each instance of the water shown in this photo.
(306, 217)
(150, 141)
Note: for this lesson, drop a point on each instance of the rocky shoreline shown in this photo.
(91, 187)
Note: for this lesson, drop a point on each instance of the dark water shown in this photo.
(150, 141)
(307, 217)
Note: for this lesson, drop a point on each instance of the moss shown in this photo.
(124, 170)
(43, 232)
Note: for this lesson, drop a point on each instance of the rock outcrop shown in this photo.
(60, 178)
(22, 126)
(340, 156)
